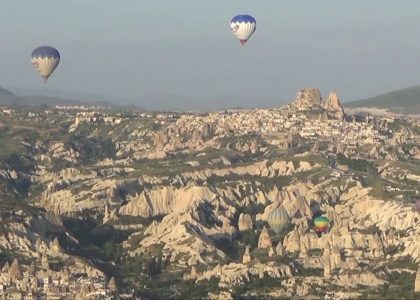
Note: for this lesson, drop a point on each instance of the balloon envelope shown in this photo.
(321, 224)
(278, 220)
(45, 60)
(243, 27)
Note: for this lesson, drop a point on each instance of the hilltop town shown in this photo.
(101, 204)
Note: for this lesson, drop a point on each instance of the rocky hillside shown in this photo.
(177, 205)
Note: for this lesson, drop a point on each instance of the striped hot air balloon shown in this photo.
(45, 60)
(243, 27)
(321, 224)
(278, 220)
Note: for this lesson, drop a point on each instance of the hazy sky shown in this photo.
(181, 54)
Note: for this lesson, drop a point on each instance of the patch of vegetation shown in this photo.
(133, 220)
(252, 209)
(401, 287)
(229, 247)
(255, 284)
(249, 238)
(92, 149)
(5, 256)
(361, 165)
(95, 239)
(314, 158)
(311, 272)
(372, 229)
(403, 263)
(192, 290)
(135, 239)
(377, 185)
(315, 252)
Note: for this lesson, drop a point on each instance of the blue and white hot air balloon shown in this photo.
(243, 27)
(45, 60)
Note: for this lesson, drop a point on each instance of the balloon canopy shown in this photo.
(278, 220)
(243, 27)
(321, 224)
(45, 60)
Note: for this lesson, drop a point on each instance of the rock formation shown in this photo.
(44, 261)
(245, 222)
(327, 263)
(106, 215)
(377, 249)
(6, 267)
(264, 241)
(352, 263)
(34, 284)
(55, 246)
(15, 271)
(279, 249)
(218, 296)
(234, 274)
(365, 278)
(193, 273)
(31, 270)
(332, 104)
(315, 148)
(111, 284)
(247, 256)
(308, 98)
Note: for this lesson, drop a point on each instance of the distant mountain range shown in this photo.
(28, 97)
(5, 93)
(168, 102)
(405, 101)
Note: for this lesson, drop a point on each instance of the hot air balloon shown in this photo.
(45, 60)
(278, 220)
(321, 224)
(243, 27)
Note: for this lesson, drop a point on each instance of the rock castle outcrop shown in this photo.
(309, 98)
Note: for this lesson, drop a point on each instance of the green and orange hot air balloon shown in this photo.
(321, 224)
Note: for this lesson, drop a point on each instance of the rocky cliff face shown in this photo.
(164, 201)
(65, 196)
